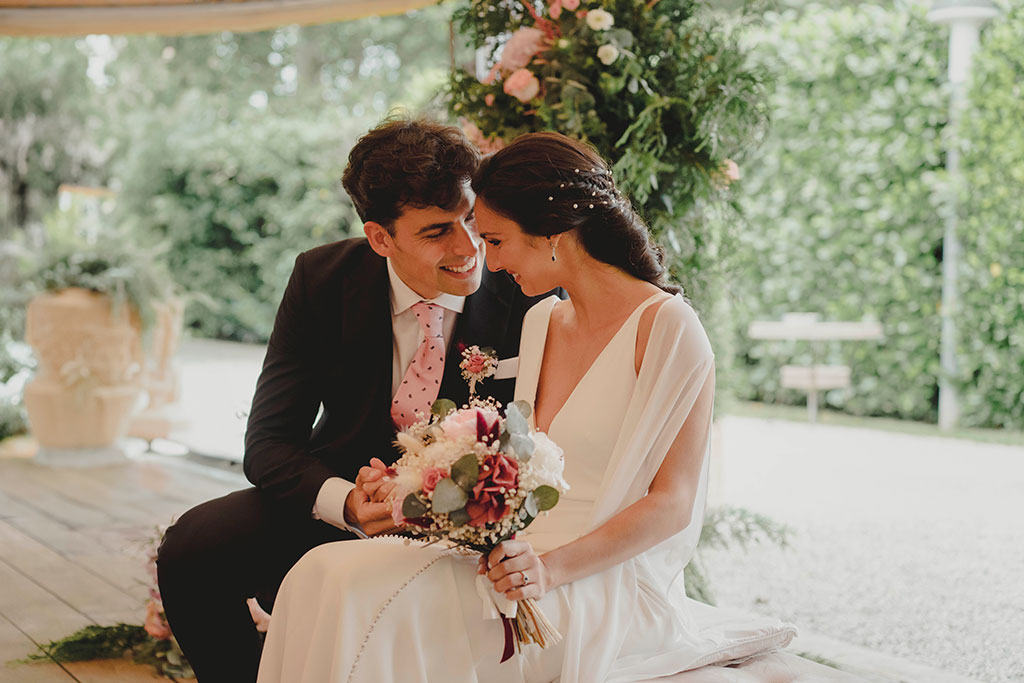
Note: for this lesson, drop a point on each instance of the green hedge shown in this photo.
(991, 350)
(841, 203)
(238, 200)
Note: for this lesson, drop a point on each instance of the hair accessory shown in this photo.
(591, 206)
(576, 170)
(575, 206)
(550, 198)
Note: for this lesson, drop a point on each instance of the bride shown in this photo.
(621, 376)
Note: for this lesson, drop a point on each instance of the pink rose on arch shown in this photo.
(522, 85)
(498, 474)
(484, 144)
(555, 10)
(156, 623)
(489, 99)
(520, 49)
(431, 476)
(571, 5)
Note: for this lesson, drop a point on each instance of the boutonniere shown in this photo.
(477, 365)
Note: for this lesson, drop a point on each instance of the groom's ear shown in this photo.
(380, 239)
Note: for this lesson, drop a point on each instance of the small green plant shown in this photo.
(81, 253)
(724, 527)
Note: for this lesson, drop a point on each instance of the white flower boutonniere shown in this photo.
(477, 365)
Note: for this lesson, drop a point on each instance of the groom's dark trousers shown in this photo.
(332, 346)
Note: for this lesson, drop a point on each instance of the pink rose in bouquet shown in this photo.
(467, 422)
(487, 503)
(430, 478)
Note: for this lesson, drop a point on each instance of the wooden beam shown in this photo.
(75, 18)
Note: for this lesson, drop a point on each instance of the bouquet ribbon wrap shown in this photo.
(495, 606)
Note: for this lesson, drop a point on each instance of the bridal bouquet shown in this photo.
(475, 478)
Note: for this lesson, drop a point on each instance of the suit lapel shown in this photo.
(367, 342)
(484, 322)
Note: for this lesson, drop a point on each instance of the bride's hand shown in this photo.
(517, 571)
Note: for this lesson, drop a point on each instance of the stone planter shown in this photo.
(89, 378)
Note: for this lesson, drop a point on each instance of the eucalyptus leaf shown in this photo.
(442, 406)
(466, 471)
(515, 421)
(448, 496)
(522, 444)
(524, 408)
(621, 37)
(413, 506)
(459, 517)
(547, 497)
(531, 506)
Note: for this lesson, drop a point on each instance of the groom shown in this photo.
(368, 332)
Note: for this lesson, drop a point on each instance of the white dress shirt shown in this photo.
(330, 501)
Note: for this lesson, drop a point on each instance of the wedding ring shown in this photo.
(526, 579)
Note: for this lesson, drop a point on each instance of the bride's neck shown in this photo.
(601, 295)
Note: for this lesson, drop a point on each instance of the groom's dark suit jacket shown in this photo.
(333, 344)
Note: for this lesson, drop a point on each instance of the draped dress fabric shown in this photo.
(387, 609)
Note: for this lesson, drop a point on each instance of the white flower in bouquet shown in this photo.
(546, 465)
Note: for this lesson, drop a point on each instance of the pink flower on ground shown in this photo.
(431, 476)
(522, 85)
(555, 9)
(489, 99)
(520, 49)
(571, 5)
(156, 623)
(498, 474)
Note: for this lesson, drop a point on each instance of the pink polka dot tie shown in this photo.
(422, 380)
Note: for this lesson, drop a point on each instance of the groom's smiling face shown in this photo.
(432, 249)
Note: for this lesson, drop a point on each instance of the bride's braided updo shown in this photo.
(549, 184)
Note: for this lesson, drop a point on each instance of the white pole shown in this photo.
(965, 19)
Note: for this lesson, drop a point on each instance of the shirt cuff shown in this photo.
(330, 504)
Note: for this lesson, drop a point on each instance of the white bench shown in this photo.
(806, 327)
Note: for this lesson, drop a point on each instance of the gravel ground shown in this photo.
(908, 545)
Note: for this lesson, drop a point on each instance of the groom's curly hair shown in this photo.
(408, 162)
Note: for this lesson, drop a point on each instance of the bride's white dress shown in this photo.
(387, 609)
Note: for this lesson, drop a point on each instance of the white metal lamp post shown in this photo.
(965, 19)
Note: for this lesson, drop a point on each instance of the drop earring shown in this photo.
(553, 259)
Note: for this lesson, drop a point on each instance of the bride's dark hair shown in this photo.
(550, 184)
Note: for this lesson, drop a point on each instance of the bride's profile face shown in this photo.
(525, 257)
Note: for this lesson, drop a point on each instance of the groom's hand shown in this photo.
(366, 504)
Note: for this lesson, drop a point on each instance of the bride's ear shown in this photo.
(380, 239)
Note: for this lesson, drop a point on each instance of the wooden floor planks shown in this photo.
(73, 545)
